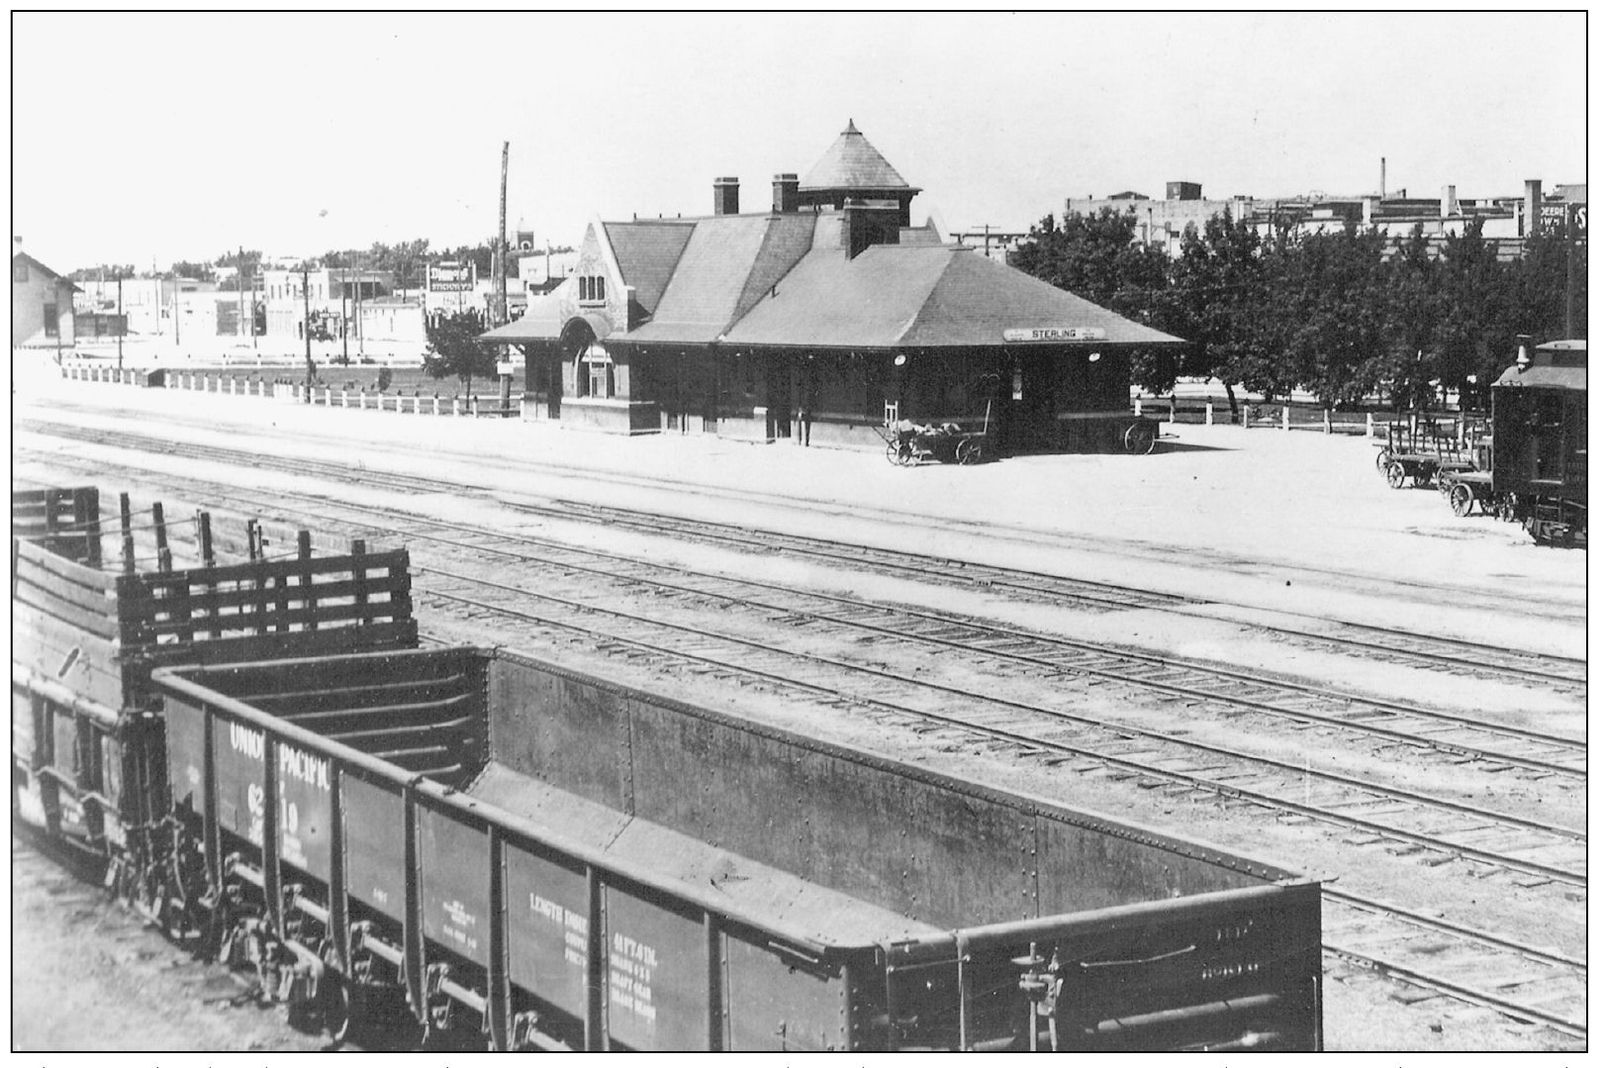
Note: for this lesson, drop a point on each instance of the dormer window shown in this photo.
(593, 289)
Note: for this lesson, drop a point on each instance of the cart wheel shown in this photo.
(1383, 459)
(1505, 507)
(1460, 499)
(891, 452)
(1396, 474)
(1139, 439)
(969, 452)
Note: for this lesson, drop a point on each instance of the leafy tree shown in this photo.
(1093, 256)
(1215, 296)
(185, 269)
(1409, 357)
(454, 349)
(109, 271)
(247, 264)
(1478, 320)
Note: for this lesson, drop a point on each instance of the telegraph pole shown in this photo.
(122, 324)
(306, 329)
(498, 313)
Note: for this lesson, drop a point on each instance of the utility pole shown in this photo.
(345, 320)
(306, 329)
(498, 312)
(122, 324)
(1571, 267)
(239, 286)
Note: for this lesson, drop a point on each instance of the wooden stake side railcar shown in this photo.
(88, 743)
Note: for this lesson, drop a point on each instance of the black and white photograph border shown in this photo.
(799, 531)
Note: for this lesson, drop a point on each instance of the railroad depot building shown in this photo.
(820, 320)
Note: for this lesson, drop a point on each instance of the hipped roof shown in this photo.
(921, 296)
(852, 163)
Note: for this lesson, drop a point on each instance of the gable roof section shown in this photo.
(42, 269)
(647, 252)
(852, 163)
(919, 296)
(728, 259)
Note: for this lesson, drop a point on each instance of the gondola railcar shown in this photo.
(512, 854)
(1540, 441)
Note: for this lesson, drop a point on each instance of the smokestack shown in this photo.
(785, 194)
(726, 196)
(1383, 191)
(1535, 196)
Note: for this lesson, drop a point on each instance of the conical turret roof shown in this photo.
(852, 163)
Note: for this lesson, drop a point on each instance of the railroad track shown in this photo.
(1140, 764)
(1562, 675)
(1459, 737)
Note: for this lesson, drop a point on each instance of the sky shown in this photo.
(147, 138)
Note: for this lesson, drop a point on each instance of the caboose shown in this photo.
(1540, 441)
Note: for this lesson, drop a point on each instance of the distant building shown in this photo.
(329, 306)
(41, 306)
(1505, 220)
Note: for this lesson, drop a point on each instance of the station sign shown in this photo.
(1553, 219)
(451, 278)
(1055, 333)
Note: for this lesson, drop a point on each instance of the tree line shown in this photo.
(1347, 315)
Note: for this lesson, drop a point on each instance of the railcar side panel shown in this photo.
(455, 859)
(548, 929)
(376, 870)
(657, 974)
(306, 808)
(775, 1003)
(919, 843)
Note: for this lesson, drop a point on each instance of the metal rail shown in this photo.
(1475, 657)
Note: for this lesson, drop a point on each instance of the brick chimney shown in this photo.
(869, 222)
(1535, 196)
(785, 194)
(726, 196)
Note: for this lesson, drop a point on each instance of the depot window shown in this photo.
(593, 289)
(596, 372)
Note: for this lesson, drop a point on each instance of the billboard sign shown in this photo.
(451, 278)
(1552, 219)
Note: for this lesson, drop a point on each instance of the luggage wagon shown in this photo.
(909, 443)
(1470, 490)
(1421, 451)
(505, 853)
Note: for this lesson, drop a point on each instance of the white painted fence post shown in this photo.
(1209, 413)
(1245, 417)
(345, 401)
(1173, 409)
(1368, 427)
(437, 404)
(454, 405)
(1287, 417)
(1326, 420)
(1136, 406)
